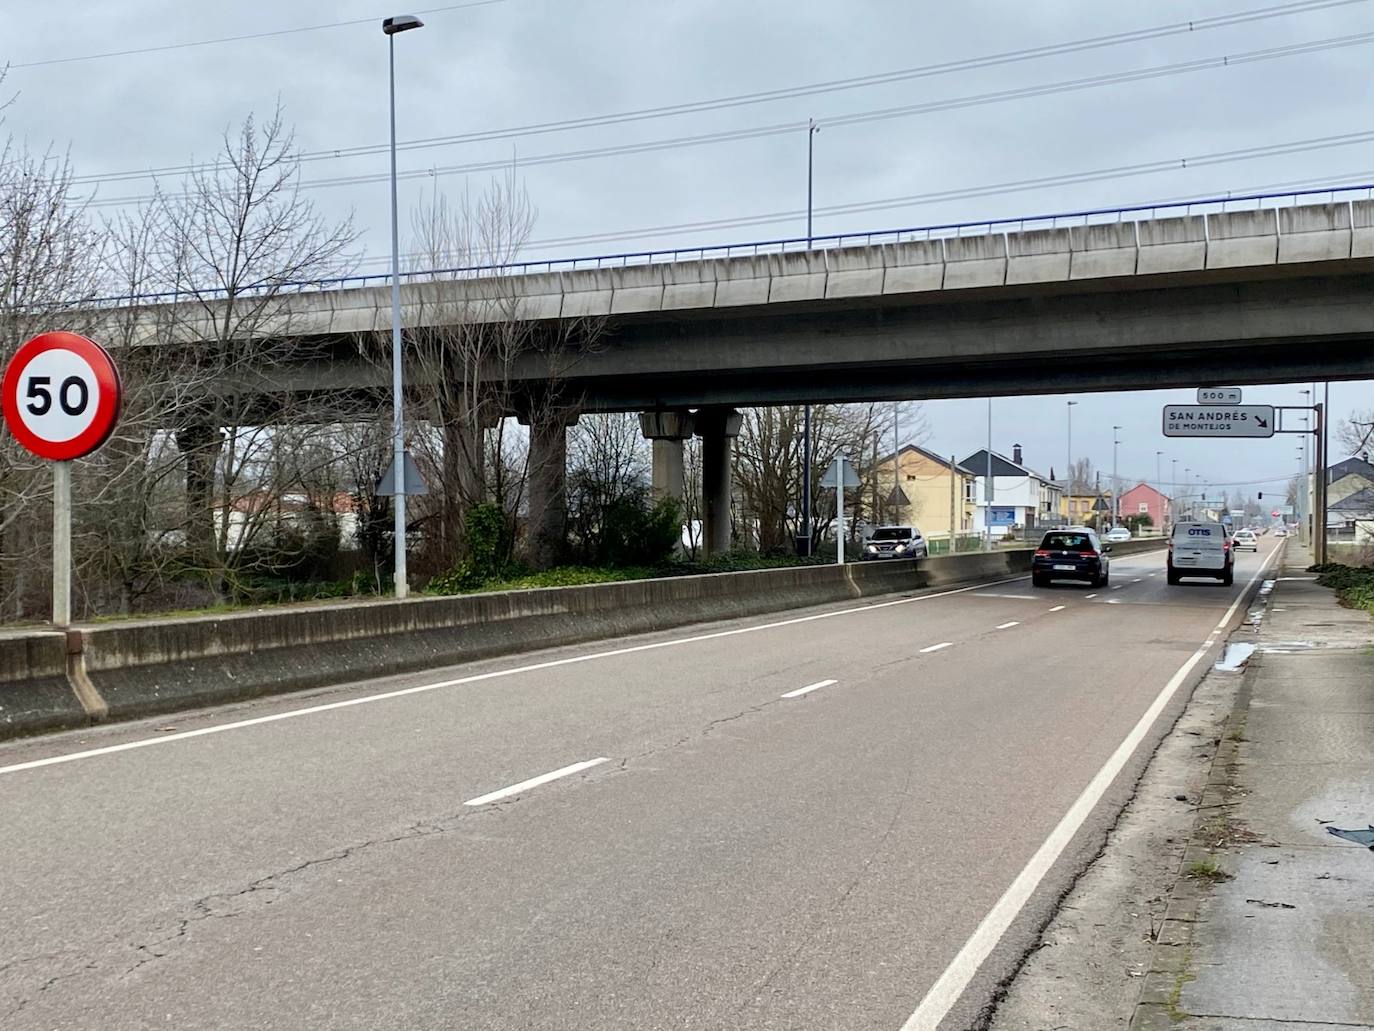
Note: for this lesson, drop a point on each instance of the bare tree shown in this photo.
(239, 236)
(1355, 433)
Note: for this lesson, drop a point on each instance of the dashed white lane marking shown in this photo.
(534, 782)
(937, 647)
(945, 992)
(476, 678)
(1113, 601)
(1093, 595)
(1057, 608)
(809, 688)
(1136, 580)
(1117, 587)
(1008, 626)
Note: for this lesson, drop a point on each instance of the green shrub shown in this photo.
(1354, 585)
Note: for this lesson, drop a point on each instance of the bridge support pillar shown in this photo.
(546, 533)
(668, 430)
(200, 444)
(717, 428)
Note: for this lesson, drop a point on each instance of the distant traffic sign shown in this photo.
(1218, 420)
(1218, 395)
(60, 396)
(841, 466)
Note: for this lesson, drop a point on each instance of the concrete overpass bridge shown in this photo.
(1280, 290)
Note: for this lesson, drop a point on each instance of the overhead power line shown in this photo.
(856, 118)
(985, 190)
(789, 92)
(237, 39)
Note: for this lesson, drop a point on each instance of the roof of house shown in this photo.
(1344, 468)
(1001, 465)
(917, 449)
(1360, 502)
(1147, 486)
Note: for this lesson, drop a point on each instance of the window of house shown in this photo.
(1144, 507)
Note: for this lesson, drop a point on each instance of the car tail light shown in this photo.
(1041, 553)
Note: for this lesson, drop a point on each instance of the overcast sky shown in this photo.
(515, 63)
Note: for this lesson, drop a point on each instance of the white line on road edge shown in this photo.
(381, 696)
(809, 688)
(937, 647)
(1008, 626)
(946, 991)
(1057, 608)
(534, 782)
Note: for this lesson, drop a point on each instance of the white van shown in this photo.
(1201, 549)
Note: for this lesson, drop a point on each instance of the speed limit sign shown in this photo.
(61, 396)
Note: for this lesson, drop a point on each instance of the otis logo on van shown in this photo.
(1218, 420)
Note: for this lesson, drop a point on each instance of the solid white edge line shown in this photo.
(1008, 626)
(809, 688)
(937, 647)
(1057, 608)
(534, 782)
(946, 991)
(163, 739)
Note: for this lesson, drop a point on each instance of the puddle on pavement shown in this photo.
(1287, 647)
(1233, 659)
(1267, 587)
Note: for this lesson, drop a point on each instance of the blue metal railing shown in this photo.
(779, 245)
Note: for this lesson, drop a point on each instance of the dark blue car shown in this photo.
(1071, 555)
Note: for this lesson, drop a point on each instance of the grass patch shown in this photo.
(1206, 870)
(1185, 974)
(1354, 585)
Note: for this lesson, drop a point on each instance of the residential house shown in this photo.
(931, 485)
(1348, 477)
(1344, 517)
(1076, 509)
(1142, 499)
(1021, 497)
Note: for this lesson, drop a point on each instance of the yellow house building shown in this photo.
(932, 486)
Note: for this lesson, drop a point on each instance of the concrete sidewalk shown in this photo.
(1271, 921)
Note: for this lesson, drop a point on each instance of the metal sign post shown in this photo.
(840, 475)
(61, 395)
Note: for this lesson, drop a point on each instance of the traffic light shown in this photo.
(1260, 495)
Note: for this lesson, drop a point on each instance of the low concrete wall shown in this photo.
(35, 694)
(144, 667)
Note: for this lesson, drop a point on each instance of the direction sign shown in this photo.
(1218, 395)
(1218, 420)
(60, 396)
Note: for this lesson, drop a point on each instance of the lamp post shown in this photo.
(1116, 487)
(391, 26)
(1187, 490)
(987, 486)
(811, 129)
(1068, 456)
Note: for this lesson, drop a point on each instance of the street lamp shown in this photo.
(811, 129)
(1068, 456)
(1116, 487)
(391, 26)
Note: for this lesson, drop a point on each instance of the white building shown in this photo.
(1022, 499)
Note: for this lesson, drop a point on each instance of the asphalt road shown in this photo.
(747, 854)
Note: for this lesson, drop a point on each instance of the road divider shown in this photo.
(52, 680)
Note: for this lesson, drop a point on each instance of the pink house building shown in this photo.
(1142, 499)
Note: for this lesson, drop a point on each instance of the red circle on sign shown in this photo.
(108, 395)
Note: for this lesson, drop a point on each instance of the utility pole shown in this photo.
(987, 487)
(953, 504)
(1173, 489)
(805, 550)
(1116, 486)
(1068, 458)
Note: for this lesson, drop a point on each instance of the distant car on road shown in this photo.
(1117, 534)
(1071, 555)
(1201, 549)
(1281, 531)
(895, 542)
(1245, 540)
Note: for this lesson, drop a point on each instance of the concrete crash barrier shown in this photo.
(35, 694)
(145, 667)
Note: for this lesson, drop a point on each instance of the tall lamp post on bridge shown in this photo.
(1173, 489)
(811, 129)
(391, 26)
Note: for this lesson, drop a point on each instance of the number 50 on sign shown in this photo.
(61, 395)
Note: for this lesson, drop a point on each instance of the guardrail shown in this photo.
(868, 238)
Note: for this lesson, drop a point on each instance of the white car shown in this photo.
(1117, 534)
(1246, 540)
(1281, 532)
